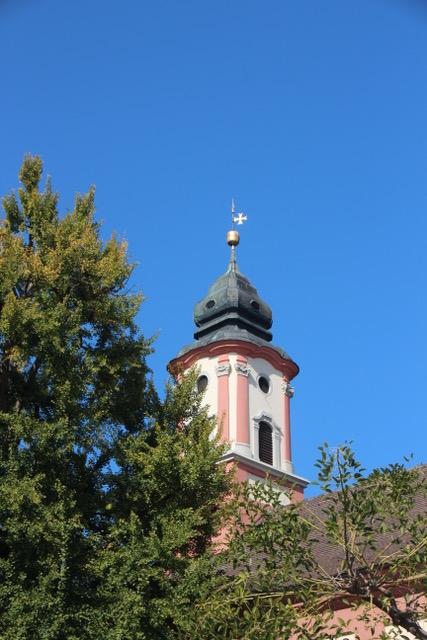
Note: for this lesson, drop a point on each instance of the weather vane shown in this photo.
(237, 218)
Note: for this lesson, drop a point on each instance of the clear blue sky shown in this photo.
(313, 115)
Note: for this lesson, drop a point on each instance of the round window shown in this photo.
(202, 383)
(264, 384)
(255, 305)
(210, 304)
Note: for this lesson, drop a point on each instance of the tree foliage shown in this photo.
(379, 523)
(105, 492)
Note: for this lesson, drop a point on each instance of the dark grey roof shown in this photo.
(233, 304)
(232, 333)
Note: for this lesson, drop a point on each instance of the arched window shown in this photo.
(202, 383)
(265, 443)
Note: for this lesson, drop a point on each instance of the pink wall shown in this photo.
(371, 627)
(223, 396)
(242, 400)
(286, 449)
(244, 471)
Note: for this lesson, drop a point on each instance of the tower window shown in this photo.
(264, 384)
(265, 443)
(210, 304)
(202, 383)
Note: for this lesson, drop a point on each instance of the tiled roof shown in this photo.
(328, 554)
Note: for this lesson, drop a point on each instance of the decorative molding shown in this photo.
(242, 368)
(263, 417)
(288, 368)
(223, 369)
(266, 417)
(288, 389)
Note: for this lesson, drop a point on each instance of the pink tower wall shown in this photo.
(223, 396)
(242, 423)
(237, 364)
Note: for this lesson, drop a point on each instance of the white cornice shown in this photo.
(266, 468)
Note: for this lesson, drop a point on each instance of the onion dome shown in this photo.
(233, 306)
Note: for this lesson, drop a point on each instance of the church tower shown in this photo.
(245, 379)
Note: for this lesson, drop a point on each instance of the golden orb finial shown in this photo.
(233, 238)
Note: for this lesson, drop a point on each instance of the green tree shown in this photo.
(166, 499)
(105, 492)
